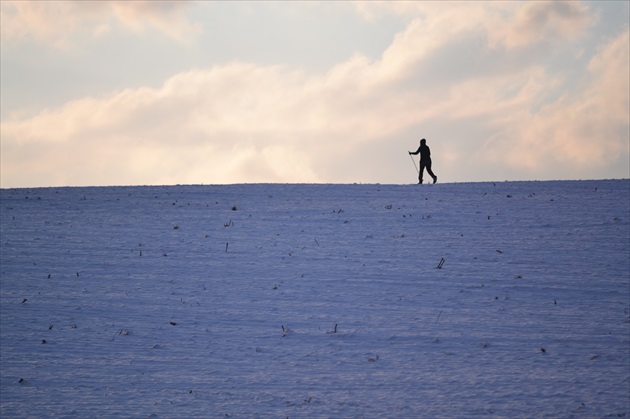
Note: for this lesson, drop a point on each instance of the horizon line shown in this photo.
(312, 184)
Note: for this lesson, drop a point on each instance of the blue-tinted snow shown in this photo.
(222, 301)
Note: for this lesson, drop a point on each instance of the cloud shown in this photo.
(489, 113)
(507, 24)
(546, 21)
(63, 24)
(226, 124)
(581, 131)
(167, 17)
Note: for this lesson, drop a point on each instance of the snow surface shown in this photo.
(316, 301)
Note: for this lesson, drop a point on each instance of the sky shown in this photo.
(161, 93)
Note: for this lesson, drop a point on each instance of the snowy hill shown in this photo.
(447, 300)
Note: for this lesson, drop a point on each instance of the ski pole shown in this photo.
(414, 164)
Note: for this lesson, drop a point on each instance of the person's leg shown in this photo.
(430, 172)
(421, 172)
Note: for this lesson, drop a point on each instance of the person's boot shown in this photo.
(434, 179)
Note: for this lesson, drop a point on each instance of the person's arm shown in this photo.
(416, 152)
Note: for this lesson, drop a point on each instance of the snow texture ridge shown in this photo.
(447, 300)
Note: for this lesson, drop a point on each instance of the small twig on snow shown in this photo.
(438, 318)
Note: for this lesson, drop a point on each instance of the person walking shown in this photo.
(425, 160)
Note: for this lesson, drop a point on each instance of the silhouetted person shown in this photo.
(425, 160)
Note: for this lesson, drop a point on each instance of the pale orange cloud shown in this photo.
(63, 24)
(507, 24)
(579, 131)
(541, 21)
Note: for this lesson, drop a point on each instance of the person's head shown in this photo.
(423, 141)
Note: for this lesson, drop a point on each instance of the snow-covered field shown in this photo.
(316, 301)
